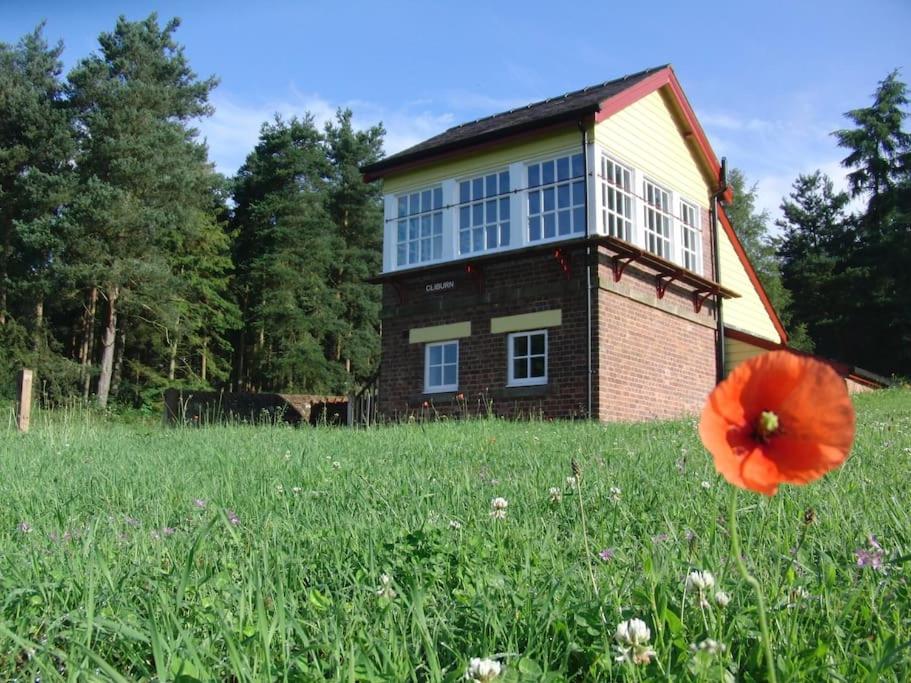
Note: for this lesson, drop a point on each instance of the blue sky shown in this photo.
(769, 80)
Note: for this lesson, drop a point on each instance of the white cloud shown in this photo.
(233, 130)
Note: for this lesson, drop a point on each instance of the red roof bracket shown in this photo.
(619, 264)
(662, 280)
(476, 273)
(563, 259)
(700, 297)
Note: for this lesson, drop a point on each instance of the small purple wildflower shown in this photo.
(24, 528)
(132, 521)
(607, 554)
(232, 517)
(199, 503)
(167, 531)
(866, 558)
(874, 543)
(659, 538)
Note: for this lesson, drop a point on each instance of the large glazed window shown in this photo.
(528, 358)
(556, 198)
(690, 237)
(484, 213)
(657, 219)
(419, 227)
(617, 199)
(441, 366)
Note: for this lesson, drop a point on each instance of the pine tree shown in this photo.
(752, 229)
(141, 172)
(36, 147)
(356, 211)
(816, 234)
(879, 162)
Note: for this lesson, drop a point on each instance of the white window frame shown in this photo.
(541, 186)
(695, 229)
(501, 198)
(628, 193)
(441, 388)
(511, 380)
(419, 216)
(662, 212)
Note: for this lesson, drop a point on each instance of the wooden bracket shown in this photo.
(476, 273)
(563, 259)
(662, 280)
(700, 297)
(619, 264)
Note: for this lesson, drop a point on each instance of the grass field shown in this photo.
(137, 552)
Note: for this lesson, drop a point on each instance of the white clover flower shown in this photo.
(483, 670)
(280, 489)
(336, 464)
(455, 524)
(556, 495)
(706, 485)
(296, 489)
(615, 492)
(709, 645)
(498, 507)
(572, 483)
(386, 590)
(700, 581)
(633, 642)
(722, 599)
(287, 455)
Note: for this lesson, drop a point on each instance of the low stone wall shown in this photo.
(214, 407)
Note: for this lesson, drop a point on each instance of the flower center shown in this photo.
(766, 426)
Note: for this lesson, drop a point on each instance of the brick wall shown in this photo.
(523, 284)
(656, 358)
(653, 358)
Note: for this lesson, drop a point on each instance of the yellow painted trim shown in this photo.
(419, 335)
(526, 321)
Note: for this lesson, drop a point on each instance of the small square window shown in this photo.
(441, 367)
(527, 358)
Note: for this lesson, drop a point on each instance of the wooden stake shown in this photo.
(24, 413)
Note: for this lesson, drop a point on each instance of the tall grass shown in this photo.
(112, 569)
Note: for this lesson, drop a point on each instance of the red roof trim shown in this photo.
(751, 272)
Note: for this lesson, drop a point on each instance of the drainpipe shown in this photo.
(588, 266)
(719, 347)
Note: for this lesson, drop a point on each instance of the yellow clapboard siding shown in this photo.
(736, 351)
(526, 321)
(748, 312)
(418, 335)
(646, 136)
(498, 158)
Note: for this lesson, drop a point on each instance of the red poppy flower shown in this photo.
(778, 418)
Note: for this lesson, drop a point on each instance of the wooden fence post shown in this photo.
(24, 412)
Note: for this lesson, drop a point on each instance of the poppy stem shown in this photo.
(750, 579)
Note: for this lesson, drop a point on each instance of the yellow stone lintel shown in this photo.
(419, 335)
(527, 321)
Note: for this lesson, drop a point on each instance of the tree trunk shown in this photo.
(39, 324)
(172, 365)
(108, 337)
(202, 360)
(87, 348)
(4, 267)
(118, 362)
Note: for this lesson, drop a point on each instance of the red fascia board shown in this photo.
(751, 272)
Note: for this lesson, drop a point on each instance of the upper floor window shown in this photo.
(656, 223)
(420, 227)
(617, 199)
(556, 198)
(484, 213)
(690, 237)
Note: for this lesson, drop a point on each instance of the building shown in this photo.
(567, 258)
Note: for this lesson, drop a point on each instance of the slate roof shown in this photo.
(564, 107)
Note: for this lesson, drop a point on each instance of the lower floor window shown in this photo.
(441, 366)
(528, 358)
